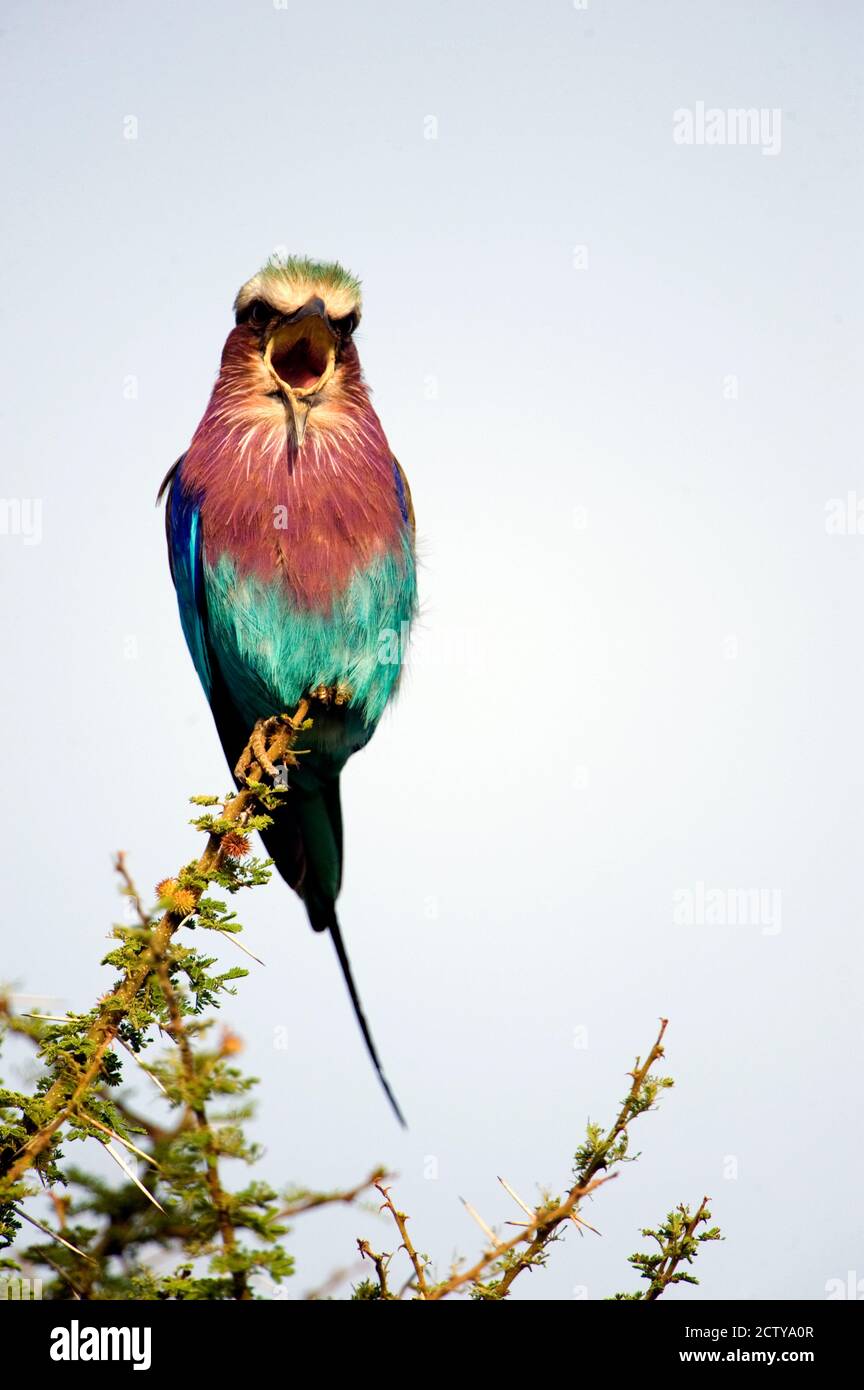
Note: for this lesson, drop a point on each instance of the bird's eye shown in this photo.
(346, 326)
(257, 313)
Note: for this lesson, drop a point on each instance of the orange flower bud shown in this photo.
(235, 845)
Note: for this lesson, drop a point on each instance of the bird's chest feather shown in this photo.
(309, 575)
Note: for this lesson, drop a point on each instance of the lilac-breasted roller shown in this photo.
(291, 542)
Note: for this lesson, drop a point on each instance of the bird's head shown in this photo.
(297, 318)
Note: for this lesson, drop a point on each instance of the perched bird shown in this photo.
(291, 542)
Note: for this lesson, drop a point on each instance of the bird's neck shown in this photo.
(246, 435)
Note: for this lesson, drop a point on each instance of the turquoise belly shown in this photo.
(271, 651)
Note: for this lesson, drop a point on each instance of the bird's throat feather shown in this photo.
(308, 518)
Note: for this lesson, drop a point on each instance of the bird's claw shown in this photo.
(339, 694)
(271, 747)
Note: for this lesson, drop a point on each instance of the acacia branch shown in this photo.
(536, 1233)
(308, 1201)
(67, 1091)
(380, 1262)
(679, 1248)
(539, 1233)
(401, 1225)
(221, 1203)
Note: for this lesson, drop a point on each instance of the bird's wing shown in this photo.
(185, 555)
(403, 492)
(183, 531)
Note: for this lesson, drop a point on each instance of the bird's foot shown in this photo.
(338, 694)
(270, 749)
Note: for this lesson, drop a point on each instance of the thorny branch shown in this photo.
(308, 1201)
(221, 1205)
(66, 1092)
(528, 1248)
(678, 1239)
(80, 1095)
(401, 1225)
(538, 1233)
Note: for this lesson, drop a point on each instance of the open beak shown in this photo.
(301, 355)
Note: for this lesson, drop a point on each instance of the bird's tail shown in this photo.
(348, 977)
(305, 842)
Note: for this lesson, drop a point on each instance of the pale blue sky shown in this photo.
(639, 667)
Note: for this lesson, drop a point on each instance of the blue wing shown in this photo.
(183, 529)
(403, 496)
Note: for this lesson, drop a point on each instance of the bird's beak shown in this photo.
(301, 355)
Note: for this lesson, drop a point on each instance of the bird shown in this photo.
(292, 548)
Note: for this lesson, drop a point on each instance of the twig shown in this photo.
(401, 1224)
(309, 1201)
(543, 1224)
(131, 890)
(627, 1111)
(331, 1282)
(663, 1274)
(380, 1262)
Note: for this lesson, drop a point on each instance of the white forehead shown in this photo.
(287, 288)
